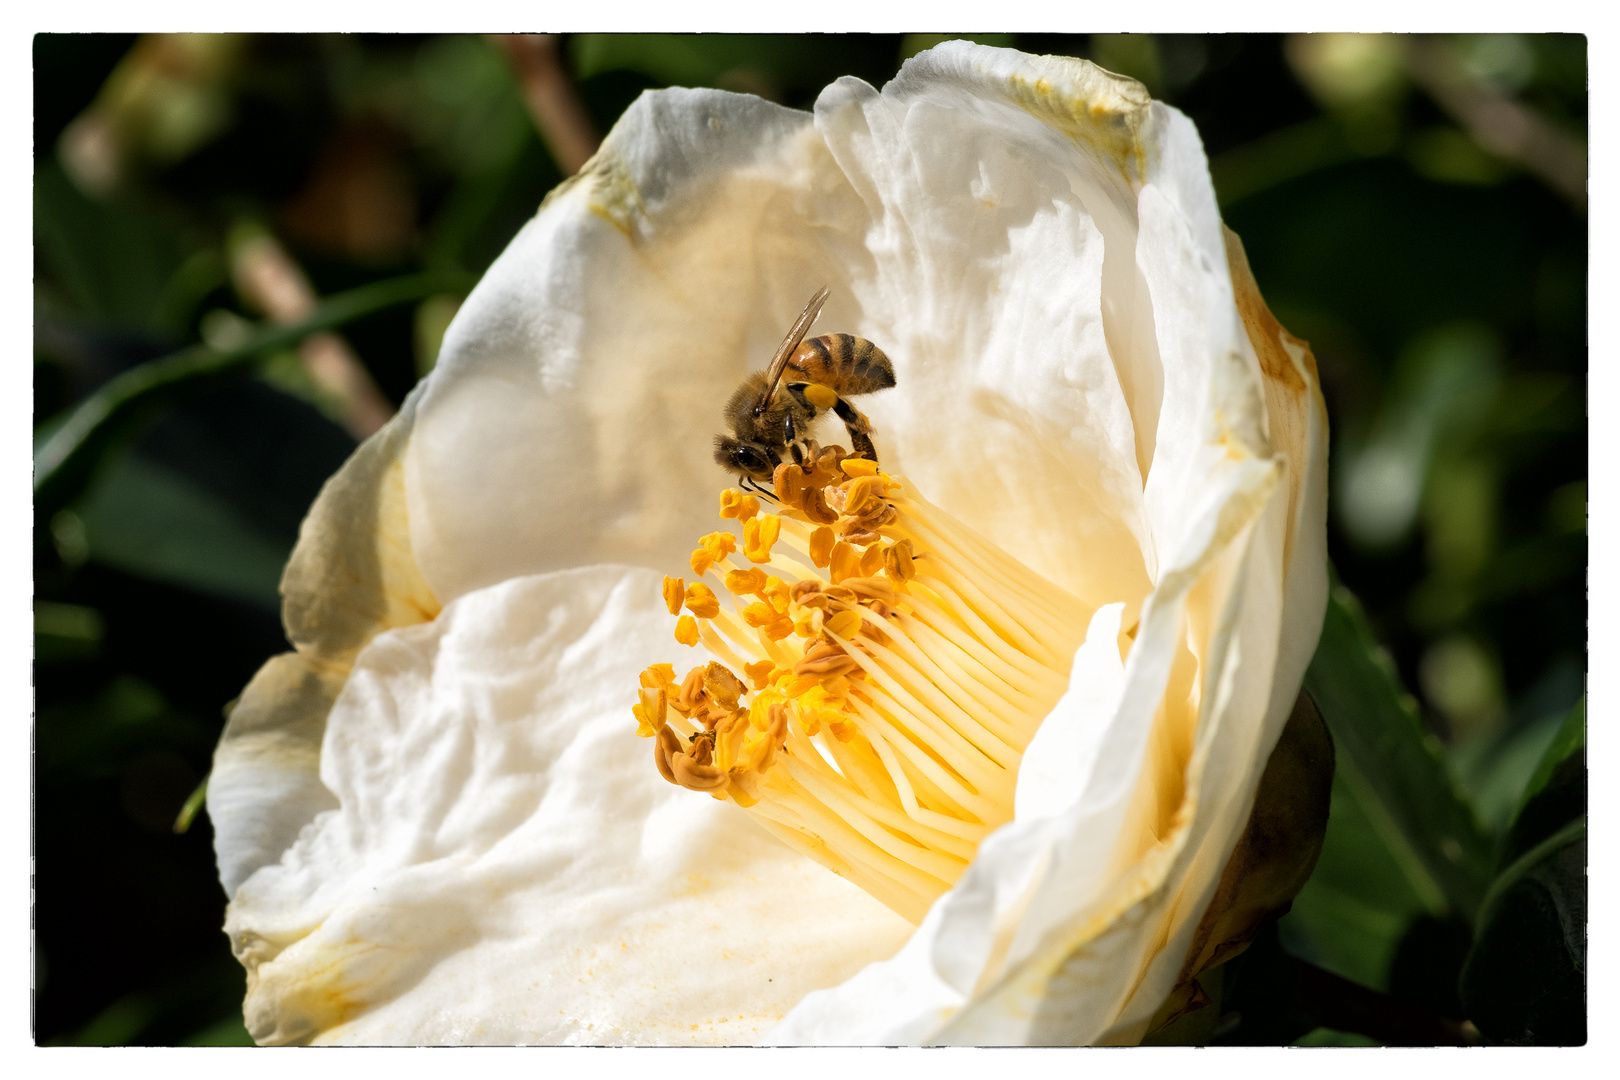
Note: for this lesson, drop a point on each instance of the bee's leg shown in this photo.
(792, 438)
(859, 428)
(791, 435)
(861, 442)
(852, 417)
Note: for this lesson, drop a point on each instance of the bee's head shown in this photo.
(751, 459)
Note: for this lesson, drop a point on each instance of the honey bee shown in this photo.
(772, 410)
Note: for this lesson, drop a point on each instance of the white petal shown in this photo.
(571, 416)
(1057, 762)
(506, 865)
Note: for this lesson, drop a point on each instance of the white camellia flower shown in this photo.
(435, 820)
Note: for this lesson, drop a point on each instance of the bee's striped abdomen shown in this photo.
(844, 362)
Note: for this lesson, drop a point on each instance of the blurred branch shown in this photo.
(558, 112)
(1501, 125)
(64, 464)
(269, 280)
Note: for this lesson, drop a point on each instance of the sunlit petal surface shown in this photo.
(1084, 377)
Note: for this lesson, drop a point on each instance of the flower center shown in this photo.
(896, 666)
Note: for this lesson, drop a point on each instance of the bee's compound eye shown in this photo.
(752, 460)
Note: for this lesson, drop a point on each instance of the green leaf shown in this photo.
(1556, 795)
(1351, 915)
(115, 263)
(230, 1031)
(153, 522)
(1393, 767)
(1329, 1037)
(1525, 979)
(65, 462)
(1571, 738)
(1494, 771)
(188, 812)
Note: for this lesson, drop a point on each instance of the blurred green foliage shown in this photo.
(1437, 267)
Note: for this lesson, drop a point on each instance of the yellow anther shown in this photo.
(871, 588)
(674, 594)
(809, 719)
(777, 592)
(759, 710)
(805, 591)
(745, 582)
(897, 561)
(822, 397)
(871, 560)
(821, 545)
(789, 482)
(690, 695)
(808, 622)
(650, 711)
(711, 549)
(686, 630)
(758, 536)
(843, 562)
(759, 675)
(861, 493)
(729, 735)
(844, 624)
(820, 697)
(722, 685)
(737, 504)
(814, 504)
(800, 683)
(659, 676)
(701, 601)
(856, 466)
(760, 616)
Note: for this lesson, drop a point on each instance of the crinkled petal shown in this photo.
(351, 576)
(504, 864)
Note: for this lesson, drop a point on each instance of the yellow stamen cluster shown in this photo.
(897, 662)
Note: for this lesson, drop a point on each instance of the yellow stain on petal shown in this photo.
(613, 194)
(309, 989)
(1096, 109)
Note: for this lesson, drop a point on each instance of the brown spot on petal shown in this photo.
(1273, 859)
(1290, 401)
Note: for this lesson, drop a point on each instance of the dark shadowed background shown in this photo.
(1414, 207)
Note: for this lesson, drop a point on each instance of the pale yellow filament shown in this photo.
(892, 770)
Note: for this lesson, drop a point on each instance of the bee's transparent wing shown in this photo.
(784, 351)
